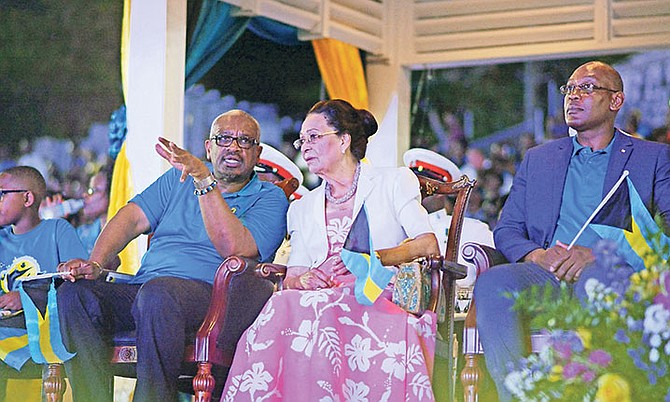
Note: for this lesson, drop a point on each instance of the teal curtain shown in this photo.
(217, 30)
(274, 31)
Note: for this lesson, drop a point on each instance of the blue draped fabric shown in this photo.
(215, 32)
(274, 31)
(117, 131)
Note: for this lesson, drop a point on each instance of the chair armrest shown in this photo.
(272, 272)
(483, 257)
(205, 347)
(441, 270)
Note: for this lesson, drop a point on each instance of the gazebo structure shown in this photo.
(398, 35)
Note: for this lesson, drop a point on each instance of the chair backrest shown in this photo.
(289, 185)
(460, 189)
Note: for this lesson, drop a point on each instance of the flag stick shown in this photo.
(599, 207)
(42, 276)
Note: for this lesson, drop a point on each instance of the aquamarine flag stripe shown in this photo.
(53, 338)
(646, 223)
(648, 229)
(16, 358)
(364, 267)
(624, 249)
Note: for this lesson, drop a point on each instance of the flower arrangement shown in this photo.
(613, 347)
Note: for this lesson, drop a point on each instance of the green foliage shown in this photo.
(614, 346)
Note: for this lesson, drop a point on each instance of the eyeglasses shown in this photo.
(311, 137)
(3, 192)
(586, 89)
(93, 190)
(243, 141)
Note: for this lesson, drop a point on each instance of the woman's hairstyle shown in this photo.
(360, 124)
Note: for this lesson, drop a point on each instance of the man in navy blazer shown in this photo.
(557, 187)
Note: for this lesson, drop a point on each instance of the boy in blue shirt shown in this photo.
(28, 245)
(223, 209)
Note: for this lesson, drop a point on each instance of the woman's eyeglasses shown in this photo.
(310, 138)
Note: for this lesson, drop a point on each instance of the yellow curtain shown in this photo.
(122, 185)
(342, 71)
(125, 35)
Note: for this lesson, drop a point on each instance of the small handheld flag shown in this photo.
(359, 257)
(44, 336)
(645, 243)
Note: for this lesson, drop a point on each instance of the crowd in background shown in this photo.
(69, 172)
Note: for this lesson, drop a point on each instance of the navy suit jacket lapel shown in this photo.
(558, 173)
(621, 151)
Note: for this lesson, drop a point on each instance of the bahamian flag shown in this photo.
(44, 337)
(359, 257)
(639, 239)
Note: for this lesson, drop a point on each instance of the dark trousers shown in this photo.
(162, 311)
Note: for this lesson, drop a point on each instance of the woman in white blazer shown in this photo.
(315, 340)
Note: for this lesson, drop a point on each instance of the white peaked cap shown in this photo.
(431, 164)
(279, 163)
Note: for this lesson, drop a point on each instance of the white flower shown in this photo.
(310, 298)
(359, 353)
(656, 319)
(591, 286)
(655, 340)
(339, 229)
(305, 337)
(654, 355)
(355, 391)
(395, 362)
(255, 379)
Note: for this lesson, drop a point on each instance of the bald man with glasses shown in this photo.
(556, 188)
(199, 214)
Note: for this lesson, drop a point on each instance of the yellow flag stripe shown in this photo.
(371, 289)
(45, 337)
(9, 345)
(639, 245)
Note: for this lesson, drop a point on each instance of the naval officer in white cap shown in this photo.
(430, 164)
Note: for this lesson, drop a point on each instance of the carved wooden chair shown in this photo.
(484, 258)
(209, 355)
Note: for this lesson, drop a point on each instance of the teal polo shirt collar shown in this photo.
(577, 148)
(253, 187)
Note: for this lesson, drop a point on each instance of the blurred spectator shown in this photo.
(632, 124)
(93, 216)
(31, 158)
(475, 161)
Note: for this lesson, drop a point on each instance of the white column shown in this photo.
(155, 99)
(389, 89)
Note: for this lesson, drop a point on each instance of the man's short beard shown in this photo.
(230, 177)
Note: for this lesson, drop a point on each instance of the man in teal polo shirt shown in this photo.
(199, 214)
